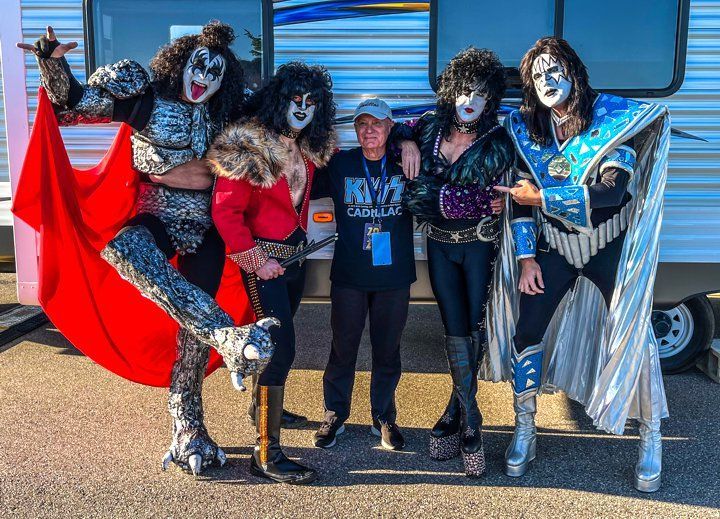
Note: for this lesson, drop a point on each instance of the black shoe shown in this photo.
(325, 437)
(391, 437)
(268, 459)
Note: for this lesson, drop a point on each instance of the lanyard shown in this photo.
(376, 194)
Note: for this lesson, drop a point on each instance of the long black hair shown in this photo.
(468, 67)
(270, 104)
(580, 102)
(168, 65)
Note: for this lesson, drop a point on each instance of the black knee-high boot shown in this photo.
(289, 420)
(462, 361)
(445, 434)
(268, 459)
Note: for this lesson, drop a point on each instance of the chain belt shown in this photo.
(486, 230)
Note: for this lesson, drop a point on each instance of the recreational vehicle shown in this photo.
(666, 51)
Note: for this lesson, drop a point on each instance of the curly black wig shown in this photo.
(580, 102)
(270, 103)
(168, 65)
(469, 67)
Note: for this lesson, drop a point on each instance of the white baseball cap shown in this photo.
(373, 106)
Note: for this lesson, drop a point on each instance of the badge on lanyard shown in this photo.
(373, 230)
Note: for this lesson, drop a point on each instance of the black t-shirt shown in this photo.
(344, 181)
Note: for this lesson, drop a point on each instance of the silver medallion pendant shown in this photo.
(559, 168)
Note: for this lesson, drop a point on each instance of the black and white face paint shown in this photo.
(469, 106)
(552, 84)
(203, 75)
(300, 112)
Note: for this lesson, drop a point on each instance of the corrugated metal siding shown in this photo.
(388, 56)
(691, 227)
(85, 144)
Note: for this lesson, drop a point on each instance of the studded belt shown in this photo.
(280, 250)
(486, 230)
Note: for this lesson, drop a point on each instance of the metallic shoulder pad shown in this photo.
(122, 80)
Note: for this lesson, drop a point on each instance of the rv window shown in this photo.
(135, 29)
(630, 48)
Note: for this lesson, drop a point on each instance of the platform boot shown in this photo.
(649, 466)
(461, 359)
(527, 371)
(445, 434)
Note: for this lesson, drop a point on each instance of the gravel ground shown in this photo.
(77, 440)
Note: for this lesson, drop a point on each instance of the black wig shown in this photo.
(168, 65)
(270, 103)
(580, 102)
(468, 68)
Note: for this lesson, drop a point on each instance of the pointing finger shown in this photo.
(503, 189)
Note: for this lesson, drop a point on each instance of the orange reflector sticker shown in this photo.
(323, 217)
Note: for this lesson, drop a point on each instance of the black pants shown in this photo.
(203, 268)
(388, 315)
(559, 276)
(279, 297)
(460, 278)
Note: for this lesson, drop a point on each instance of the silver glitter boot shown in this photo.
(648, 469)
(527, 370)
(135, 256)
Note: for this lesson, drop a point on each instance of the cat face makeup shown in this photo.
(301, 111)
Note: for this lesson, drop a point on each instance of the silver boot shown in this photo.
(649, 466)
(527, 369)
(134, 254)
(521, 450)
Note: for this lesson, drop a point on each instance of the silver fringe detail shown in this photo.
(55, 80)
(176, 133)
(607, 361)
(135, 256)
(185, 213)
(190, 437)
(579, 248)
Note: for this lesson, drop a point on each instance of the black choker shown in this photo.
(466, 127)
(290, 134)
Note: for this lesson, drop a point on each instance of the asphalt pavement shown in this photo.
(76, 440)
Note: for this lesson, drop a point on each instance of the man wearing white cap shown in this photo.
(372, 270)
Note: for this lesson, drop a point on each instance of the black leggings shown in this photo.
(559, 276)
(460, 277)
(279, 297)
(204, 268)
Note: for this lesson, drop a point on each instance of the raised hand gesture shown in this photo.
(48, 46)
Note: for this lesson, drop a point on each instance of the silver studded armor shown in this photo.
(176, 133)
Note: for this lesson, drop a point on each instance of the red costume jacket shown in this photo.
(252, 198)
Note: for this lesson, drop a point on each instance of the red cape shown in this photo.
(76, 212)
